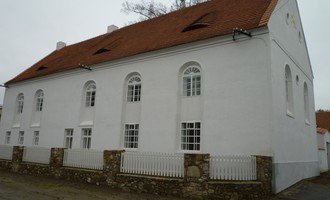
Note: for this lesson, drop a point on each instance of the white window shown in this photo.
(131, 136)
(134, 89)
(90, 94)
(20, 103)
(39, 100)
(7, 139)
(191, 136)
(20, 138)
(192, 82)
(68, 138)
(306, 103)
(36, 138)
(86, 138)
(289, 91)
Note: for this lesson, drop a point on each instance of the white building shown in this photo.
(179, 83)
(323, 144)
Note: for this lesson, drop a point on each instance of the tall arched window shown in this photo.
(39, 99)
(192, 81)
(90, 92)
(134, 89)
(289, 90)
(20, 103)
(306, 103)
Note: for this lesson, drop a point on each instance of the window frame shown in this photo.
(134, 89)
(36, 138)
(195, 144)
(131, 136)
(8, 138)
(20, 103)
(306, 104)
(68, 138)
(192, 81)
(21, 135)
(289, 91)
(86, 139)
(39, 99)
(90, 95)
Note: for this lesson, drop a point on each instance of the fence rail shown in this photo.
(6, 152)
(155, 164)
(242, 168)
(36, 155)
(83, 158)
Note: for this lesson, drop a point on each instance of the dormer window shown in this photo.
(101, 51)
(202, 22)
(41, 68)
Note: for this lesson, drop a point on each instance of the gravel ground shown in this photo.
(13, 186)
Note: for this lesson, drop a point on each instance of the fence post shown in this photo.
(112, 162)
(56, 161)
(196, 175)
(264, 172)
(17, 158)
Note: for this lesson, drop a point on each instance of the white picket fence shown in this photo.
(83, 158)
(155, 164)
(6, 152)
(36, 155)
(239, 168)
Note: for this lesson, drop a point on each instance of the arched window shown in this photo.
(90, 92)
(134, 89)
(39, 99)
(192, 81)
(306, 103)
(289, 90)
(20, 103)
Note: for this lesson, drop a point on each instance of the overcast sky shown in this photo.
(30, 29)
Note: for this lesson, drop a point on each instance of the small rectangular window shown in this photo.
(190, 136)
(36, 138)
(131, 136)
(86, 138)
(20, 138)
(90, 98)
(68, 138)
(8, 136)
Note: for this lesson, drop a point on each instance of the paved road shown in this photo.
(313, 189)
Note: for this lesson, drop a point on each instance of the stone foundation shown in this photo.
(195, 184)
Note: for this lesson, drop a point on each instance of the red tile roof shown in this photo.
(323, 120)
(213, 18)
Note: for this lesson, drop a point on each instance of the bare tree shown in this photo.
(148, 9)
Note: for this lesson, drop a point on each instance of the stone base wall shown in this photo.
(83, 175)
(195, 184)
(6, 165)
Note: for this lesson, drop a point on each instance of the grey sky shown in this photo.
(30, 29)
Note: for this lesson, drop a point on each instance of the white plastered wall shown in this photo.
(293, 141)
(235, 99)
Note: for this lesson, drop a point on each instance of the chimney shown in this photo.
(60, 45)
(112, 28)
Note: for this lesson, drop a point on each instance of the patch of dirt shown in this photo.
(14, 186)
